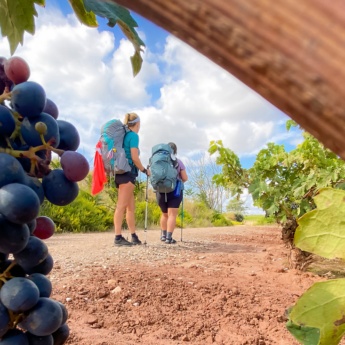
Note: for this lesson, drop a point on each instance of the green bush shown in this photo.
(239, 217)
(82, 215)
(218, 219)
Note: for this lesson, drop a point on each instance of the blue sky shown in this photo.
(180, 95)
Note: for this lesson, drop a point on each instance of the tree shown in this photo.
(282, 183)
(236, 206)
(200, 180)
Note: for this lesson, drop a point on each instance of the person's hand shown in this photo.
(148, 172)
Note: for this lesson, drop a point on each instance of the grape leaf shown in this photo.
(318, 317)
(321, 231)
(117, 14)
(16, 17)
(86, 17)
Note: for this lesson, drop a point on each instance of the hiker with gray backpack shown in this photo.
(120, 154)
(168, 175)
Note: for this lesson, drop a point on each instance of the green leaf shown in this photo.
(16, 17)
(117, 14)
(304, 334)
(88, 18)
(321, 231)
(319, 308)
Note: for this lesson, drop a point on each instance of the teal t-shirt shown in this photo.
(130, 141)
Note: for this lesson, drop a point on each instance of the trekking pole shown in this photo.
(147, 201)
(182, 219)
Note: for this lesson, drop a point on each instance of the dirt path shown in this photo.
(226, 286)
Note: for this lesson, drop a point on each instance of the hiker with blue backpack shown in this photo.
(168, 174)
(126, 166)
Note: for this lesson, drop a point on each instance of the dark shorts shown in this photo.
(168, 200)
(130, 176)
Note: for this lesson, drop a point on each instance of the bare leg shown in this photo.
(164, 221)
(172, 215)
(123, 200)
(130, 214)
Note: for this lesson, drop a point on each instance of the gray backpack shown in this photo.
(113, 155)
(163, 169)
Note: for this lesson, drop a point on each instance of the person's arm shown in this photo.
(136, 159)
(184, 176)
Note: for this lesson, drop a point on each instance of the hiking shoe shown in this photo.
(163, 238)
(170, 241)
(122, 242)
(135, 241)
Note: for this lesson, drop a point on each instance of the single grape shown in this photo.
(51, 109)
(7, 123)
(45, 227)
(32, 137)
(13, 237)
(28, 99)
(58, 189)
(19, 294)
(74, 165)
(44, 318)
(61, 335)
(44, 267)
(35, 184)
(19, 203)
(43, 283)
(10, 170)
(14, 337)
(33, 254)
(17, 69)
(40, 340)
(69, 136)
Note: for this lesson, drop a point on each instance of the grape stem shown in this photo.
(6, 95)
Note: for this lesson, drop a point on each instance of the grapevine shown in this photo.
(30, 133)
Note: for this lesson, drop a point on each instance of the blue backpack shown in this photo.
(113, 154)
(163, 169)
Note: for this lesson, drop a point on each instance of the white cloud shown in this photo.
(196, 100)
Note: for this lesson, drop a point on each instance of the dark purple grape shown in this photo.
(19, 203)
(13, 237)
(7, 123)
(40, 340)
(64, 312)
(58, 189)
(61, 335)
(74, 165)
(10, 170)
(33, 254)
(14, 337)
(69, 136)
(44, 318)
(43, 283)
(4, 320)
(51, 109)
(28, 99)
(32, 137)
(35, 184)
(45, 227)
(44, 267)
(19, 294)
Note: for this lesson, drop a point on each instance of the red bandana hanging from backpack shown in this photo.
(99, 177)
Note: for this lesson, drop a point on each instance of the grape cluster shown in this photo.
(30, 133)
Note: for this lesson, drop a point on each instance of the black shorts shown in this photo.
(129, 176)
(168, 200)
